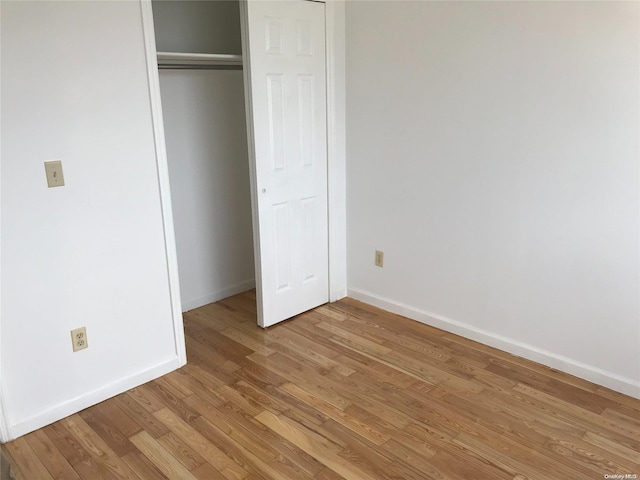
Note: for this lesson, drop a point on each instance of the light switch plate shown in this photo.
(379, 258)
(55, 178)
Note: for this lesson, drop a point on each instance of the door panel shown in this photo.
(284, 56)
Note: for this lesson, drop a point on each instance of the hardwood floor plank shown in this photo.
(316, 446)
(267, 400)
(203, 376)
(376, 462)
(506, 461)
(143, 467)
(258, 457)
(317, 384)
(278, 446)
(491, 419)
(243, 304)
(328, 474)
(182, 452)
(143, 417)
(278, 401)
(313, 360)
(236, 397)
(201, 445)
(160, 458)
(104, 457)
(217, 342)
(254, 372)
(577, 396)
(216, 426)
(177, 405)
(172, 384)
(299, 342)
(391, 321)
(51, 457)
(531, 462)
(373, 368)
(147, 398)
(363, 429)
(329, 311)
(443, 459)
(427, 466)
(588, 458)
(398, 341)
(602, 422)
(393, 405)
(544, 420)
(358, 343)
(513, 443)
(344, 391)
(119, 418)
(64, 441)
(93, 469)
(493, 354)
(203, 389)
(634, 420)
(630, 404)
(207, 472)
(255, 344)
(105, 428)
(223, 317)
(614, 448)
(200, 355)
(25, 461)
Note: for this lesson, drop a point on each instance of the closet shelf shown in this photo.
(202, 59)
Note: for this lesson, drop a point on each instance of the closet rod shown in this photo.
(170, 66)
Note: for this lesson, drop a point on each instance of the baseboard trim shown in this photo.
(69, 407)
(5, 430)
(515, 347)
(218, 295)
(338, 294)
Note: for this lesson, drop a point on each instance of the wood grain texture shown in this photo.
(346, 391)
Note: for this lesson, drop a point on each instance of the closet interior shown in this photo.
(201, 84)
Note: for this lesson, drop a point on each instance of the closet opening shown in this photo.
(202, 91)
(244, 89)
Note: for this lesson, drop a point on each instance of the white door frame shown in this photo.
(163, 179)
(336, 160)
(336, 147)
(5, 430)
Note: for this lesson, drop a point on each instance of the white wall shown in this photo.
(205, 128)
(493, 156)
(75, 88)
(200, 26)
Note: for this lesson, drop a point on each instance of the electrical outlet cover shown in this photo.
(79, 339)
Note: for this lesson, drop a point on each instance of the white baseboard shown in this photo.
(5, 435)
(338, 294)
(74, 405)
(218, 295)
(593, 374)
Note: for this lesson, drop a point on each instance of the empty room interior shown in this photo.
(328, 239)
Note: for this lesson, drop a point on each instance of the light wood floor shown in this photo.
(344, 391)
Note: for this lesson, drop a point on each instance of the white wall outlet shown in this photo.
(79, 338)
(379, 258)
(55, 178)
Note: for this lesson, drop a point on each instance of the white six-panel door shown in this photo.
(285, 81)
